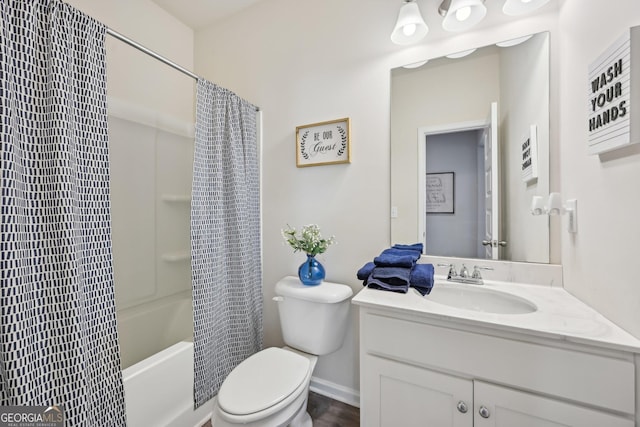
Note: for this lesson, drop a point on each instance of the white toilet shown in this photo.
(270, 388)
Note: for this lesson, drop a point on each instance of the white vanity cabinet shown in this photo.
(505, 407)
(398, 394)
(433, 371)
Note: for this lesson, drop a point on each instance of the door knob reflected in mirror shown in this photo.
(494, 243)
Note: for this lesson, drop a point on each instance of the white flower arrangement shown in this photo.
(308, 240)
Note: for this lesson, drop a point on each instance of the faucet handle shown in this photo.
(463, 271)
(452, 270)
(476, 271)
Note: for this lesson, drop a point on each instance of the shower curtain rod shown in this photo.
(149, 52)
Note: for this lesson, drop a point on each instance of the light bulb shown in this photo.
(463, 13)
(409, 29)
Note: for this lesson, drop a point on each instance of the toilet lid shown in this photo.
(262, 380)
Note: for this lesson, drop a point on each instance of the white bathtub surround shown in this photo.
(148, 328)
(563, 362)
(159, 390)
(151, 157)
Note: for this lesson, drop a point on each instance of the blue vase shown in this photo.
(311, 272)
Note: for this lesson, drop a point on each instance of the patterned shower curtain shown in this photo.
(58, 338)
(225, 237)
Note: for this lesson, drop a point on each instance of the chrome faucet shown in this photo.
(452, 270)
(463, 276)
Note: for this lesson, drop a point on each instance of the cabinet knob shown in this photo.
(484, 412)
(462, 407)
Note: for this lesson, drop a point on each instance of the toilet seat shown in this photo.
(263, 381)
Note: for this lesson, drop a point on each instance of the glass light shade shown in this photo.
(461, 54)
(415, 64)
(514, 42)
(463, 14)
(520, 7)
(410, 27)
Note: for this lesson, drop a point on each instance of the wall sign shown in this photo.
(440, 192)
(323, 143)
(610, 92)
(530, 156)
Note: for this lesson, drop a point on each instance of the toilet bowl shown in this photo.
(270, 388)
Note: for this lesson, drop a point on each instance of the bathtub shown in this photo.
(156, 354)
(159, 390)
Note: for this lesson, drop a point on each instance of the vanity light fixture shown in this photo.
(460, 15)
(555, 207)
(520, 7)
(537, 206)
(410, 26)
(554, 204)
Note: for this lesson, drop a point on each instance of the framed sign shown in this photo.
(440, 192)
(611, 92)
(530, 156)
(323, 143)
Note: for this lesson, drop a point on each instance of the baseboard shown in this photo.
(335, 391)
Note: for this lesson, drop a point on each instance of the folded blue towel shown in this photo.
(365, 271)
(396, 258)
(392, 275)
(414, 247)
(379, 284)
(422, 278)
(396, 251)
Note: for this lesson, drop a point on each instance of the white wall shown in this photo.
(135, 77)
(304, 62)
(601, 260)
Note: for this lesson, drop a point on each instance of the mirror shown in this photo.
(445, 191)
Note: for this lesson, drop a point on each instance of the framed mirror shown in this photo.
(446, 115)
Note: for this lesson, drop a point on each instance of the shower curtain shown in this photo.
(225, 237)
(58, 338)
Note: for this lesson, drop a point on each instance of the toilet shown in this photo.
(271, 387)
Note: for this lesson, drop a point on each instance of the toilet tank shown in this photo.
(314, 319)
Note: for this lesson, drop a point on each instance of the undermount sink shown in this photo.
(479, 298)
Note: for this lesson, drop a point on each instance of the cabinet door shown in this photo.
(503, 407)
(395, 394)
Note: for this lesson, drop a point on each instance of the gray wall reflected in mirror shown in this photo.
(428, 102)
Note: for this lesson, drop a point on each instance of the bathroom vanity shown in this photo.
(499, 354)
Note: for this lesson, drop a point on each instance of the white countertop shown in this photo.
(559, 314)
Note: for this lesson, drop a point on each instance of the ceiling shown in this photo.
(200, 13)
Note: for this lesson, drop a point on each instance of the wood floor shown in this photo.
(326, 412)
